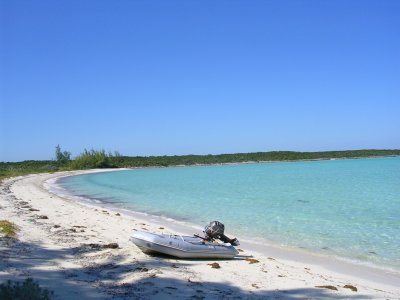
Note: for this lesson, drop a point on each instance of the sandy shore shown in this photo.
(67, 247)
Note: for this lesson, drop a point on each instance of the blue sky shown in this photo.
(198, 77)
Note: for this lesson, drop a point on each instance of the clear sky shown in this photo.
(198, 77)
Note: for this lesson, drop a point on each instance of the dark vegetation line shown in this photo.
(91, 159)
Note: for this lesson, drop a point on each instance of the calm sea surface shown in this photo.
(348, 208)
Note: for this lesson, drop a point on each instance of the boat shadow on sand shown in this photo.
(98, 273)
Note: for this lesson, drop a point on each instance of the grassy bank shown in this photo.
(12, 169)
(100, 159)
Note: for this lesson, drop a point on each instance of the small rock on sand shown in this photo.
(214, 265)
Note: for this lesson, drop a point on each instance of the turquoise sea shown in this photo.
(347, 208)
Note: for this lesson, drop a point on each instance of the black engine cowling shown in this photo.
(214, 230)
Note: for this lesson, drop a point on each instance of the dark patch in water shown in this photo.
(106, 200)
(303, 201)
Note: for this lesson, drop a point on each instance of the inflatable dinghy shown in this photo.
(181, 246)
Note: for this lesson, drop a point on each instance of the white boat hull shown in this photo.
(181, 246)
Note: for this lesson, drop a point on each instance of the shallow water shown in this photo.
(347, 208)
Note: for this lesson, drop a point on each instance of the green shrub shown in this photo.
(28, 289)
(91, 159)
(7, 228)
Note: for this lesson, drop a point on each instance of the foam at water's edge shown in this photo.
(53, 187)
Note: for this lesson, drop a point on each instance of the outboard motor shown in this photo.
(215, 230)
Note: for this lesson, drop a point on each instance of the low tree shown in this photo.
(62, 157)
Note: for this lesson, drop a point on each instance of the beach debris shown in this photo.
(43, 217)
(329, 287)
(99, 246)
(94, 246)
(56, 226)
(240, 250)
(111, 246)
(254, 285)
(117, 214)
(252, 260)
(270, 258)
(161, 228)
(281, 275)
(351, 287)
(33, 209)
(214, 265)
(77, 226)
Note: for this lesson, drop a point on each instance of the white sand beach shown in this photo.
(69, 247)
